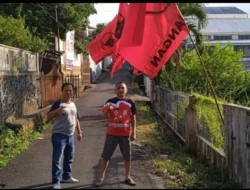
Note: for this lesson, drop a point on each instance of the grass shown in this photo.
(209, 118)
(134, 88)
(180, 169)
(12, 144)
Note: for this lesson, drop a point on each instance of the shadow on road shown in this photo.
(39, 186)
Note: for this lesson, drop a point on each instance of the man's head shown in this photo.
(67, 91)
(121, 89)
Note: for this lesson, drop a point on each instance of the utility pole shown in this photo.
(58, 40)
(57, 29)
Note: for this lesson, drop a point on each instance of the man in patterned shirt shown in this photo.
(121, 114)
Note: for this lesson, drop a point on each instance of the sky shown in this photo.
(107, 11)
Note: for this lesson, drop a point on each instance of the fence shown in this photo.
(51, 87)
(179, 113)
(170, 106)
(75, 80)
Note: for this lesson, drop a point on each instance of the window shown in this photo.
(244, 37)
(244, 48)
(222, 37)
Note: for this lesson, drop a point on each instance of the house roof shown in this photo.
(223, 10)
(221, 25)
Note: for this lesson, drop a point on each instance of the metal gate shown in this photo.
(51, 84)
(75, 81)
(85, 70)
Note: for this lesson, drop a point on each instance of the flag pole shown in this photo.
(208, 79)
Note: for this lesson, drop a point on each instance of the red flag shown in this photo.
(134, 19)
(117, 60)
(164, 30)
(104, 42)
(123, 8)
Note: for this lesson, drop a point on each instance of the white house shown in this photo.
(228, 24)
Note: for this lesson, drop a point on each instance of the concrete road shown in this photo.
(32, 168)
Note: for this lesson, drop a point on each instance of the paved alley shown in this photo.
(32, 168)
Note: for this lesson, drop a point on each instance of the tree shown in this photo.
(196, 19)
(227, 74)
(14, 33)
(38, 17)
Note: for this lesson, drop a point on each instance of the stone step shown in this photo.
(29, 123)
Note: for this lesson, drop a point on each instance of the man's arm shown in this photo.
(52, 114)
(54, 110)
(78, 127)
(106, 113)
(133, 123)
(106, 109)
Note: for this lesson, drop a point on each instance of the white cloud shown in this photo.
(105, 13)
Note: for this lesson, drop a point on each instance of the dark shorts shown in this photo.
(110, 146)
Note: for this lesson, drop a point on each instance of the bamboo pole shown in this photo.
(208, 79)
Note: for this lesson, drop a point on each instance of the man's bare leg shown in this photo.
(104, 167)
(128, 179)
(127, 169)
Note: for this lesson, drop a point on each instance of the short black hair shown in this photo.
(121, 82)
(66, 84)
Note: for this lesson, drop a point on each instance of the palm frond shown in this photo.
(195, 11)
(196, 32)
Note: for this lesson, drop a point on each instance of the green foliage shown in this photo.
(228, 78)
(197, 11)
(12, 144)
(14, 33)
(231, 84)
(135, 88)
(73, 16)
(190, 172)
(209, 118)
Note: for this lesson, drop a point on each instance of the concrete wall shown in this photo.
(20, 85)
(20, 95)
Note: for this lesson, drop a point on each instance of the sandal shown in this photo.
(130, 182)
(99, 183)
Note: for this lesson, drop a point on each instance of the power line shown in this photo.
(38, 5)
(61, 25)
